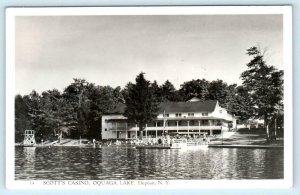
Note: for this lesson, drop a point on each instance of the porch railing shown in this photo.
(169, 128)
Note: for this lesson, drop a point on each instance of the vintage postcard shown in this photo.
(149, 97)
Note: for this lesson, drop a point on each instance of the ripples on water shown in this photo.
(128, 163)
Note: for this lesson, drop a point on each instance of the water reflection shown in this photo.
(27, 165)
(127, 163)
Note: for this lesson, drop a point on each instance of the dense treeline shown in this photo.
(76, 112)
(78, 109)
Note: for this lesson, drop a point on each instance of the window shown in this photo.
(190, 114)
(205, 114)
(166, 115)
(205, 122)
(178, 114)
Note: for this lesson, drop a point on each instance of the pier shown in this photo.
(247, 146)
(153, 147)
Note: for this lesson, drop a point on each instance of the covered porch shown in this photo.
(122, 129)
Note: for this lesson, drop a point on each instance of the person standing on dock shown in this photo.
(94, 143)
(168, 140)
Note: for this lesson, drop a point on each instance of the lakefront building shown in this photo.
(190, 118)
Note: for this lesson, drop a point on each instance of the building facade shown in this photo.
(191, 118)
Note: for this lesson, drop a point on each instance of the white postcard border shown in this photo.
(11, 13)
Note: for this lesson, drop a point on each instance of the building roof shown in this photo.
(173, 119)
(173, 107)
(197, 106)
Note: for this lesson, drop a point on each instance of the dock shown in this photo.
(246, 146)
(153, 147)
(217, 146)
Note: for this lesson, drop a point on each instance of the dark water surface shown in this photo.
(69, 163)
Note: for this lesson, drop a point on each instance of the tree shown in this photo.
(44, 114)
(53, 106)
(238, 102)
(157, 92)
(102, 99)
(22, 119)
(77, 107)
(35, 112)
(277, 121)
(168, 91)
(141, 105)
(195, 88)
(265, 86)
(218, 90)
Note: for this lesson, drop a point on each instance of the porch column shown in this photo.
(222, 134)
(188, 127)
(199, 128)
(117, 129)
(177, 126)
(126, 132)
(136, 131)
(156, 129)
(146, 130)
(210, 127)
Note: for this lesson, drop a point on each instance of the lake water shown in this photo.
(71, 163)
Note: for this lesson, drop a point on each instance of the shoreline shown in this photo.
(237, 139)
(158, 146)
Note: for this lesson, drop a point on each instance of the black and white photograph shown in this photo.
(156, 97)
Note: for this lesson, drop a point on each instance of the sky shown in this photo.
(111, 50)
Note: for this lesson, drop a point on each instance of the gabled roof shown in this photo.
(197, 106)
(173, 107)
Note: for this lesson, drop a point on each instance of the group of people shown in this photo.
(164, 140)
(167, 140)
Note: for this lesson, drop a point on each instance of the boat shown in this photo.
(189, 144)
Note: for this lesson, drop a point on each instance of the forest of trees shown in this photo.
(76, 111)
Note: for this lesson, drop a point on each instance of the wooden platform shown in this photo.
(246, 146)
(168, 147)
(153, 147)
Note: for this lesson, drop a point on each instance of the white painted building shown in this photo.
(189, 118)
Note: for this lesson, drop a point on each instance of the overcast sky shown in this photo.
(112, 50)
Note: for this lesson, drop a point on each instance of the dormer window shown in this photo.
(204, 114)
(178, 114)
(166, 115)
(190, 114)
